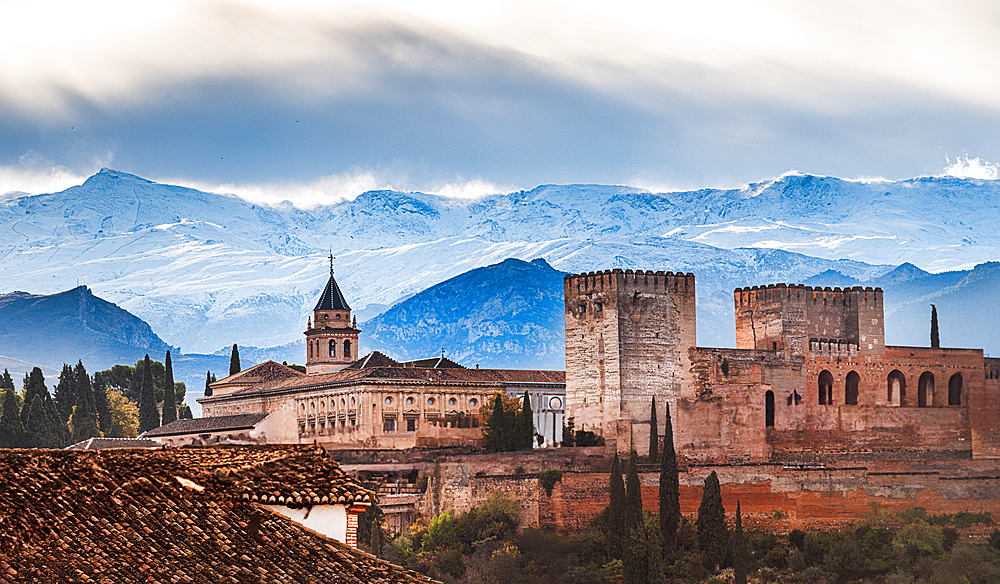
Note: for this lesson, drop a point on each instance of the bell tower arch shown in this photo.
(331, 336)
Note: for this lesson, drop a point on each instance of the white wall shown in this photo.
(330, 520)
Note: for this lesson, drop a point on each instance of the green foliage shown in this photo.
(149, 418)
(208, 384)
(569, 433)
(370, 530)
(669, 490)
(935, 335)
(687, 569)
(994, 537)
(917, 540)
(586, 438)
(234, 361)
(796, 561)
(169, 402)
(36, 427)
(617, 512)
(84, 420)
(184, 413)
(713, 537)
(499, 416)
(101, 401)
(66, 392)
(641, 560)
(844, 561)
(124, 416)
(34, 385)
(6, 381)
(741, 560)
(524, 425)
(654, 438)
(299, 368)
(11, 430)
(796, 538)
(548, 479)
(633, 494)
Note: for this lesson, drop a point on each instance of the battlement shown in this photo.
(650, 280)
(777, 292)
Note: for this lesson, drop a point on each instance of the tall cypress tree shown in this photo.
(935, 336)
(84, 419)
(101, 401)
(525, 425)
(34, 385)
(633, 493)
(670, 506)
(11, 429)
(654, 437)
(713, 538)
(66, 392)
(208, 384)
(6, 382)
(37, 425)
(617, 527)
(58, 429)
(740, 559)
(149, 418)
(169, 400)
(234, 361)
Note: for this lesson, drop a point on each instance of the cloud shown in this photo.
(965, 167)
(36, 174)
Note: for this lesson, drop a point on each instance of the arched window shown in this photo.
(347, 349)
(896, 391)
(769, 409)
(333, 348)
(825, 388)
(310, 350)
(851, 389)
(925, 390)
(955, 390)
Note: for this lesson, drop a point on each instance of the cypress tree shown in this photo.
(741, 561)
(184, 412)
(633, 494)
(654, 437)
(208, 384)
(617, 528)
(37, 423)
(66, 392)
(6, 382)
(34, 385)
(149, 418)
(501, 431)
(670, 506)
(711, 525)
(935, 336)
(11, 429)
(58, 432)
(84, 419)
(169, 401)
(234, 361)
(101, 401)
(375, 540)
(525, 425)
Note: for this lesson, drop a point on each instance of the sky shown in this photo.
(313, 101)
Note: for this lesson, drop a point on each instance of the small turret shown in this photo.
(331, 337)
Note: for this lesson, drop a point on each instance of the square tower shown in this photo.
(331, 336)
(628, 337)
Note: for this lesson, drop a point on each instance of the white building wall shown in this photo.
(330, 520)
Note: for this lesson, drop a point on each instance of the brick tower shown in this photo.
(331, 337)
(628, 336)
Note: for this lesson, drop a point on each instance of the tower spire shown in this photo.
(331, 261)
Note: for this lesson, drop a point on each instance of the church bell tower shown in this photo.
(331, 337)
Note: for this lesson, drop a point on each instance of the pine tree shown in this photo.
(208, 384)
(617, 528)
(525, 425)
(740, 559)
(66, 392)
(670, 506)
(84, 420)
(654, 437)
(633, 493)
(169, 401)
(34, 385)
(234, 361)
(149, 418)
(935, 336)
(6, 382)
(711, 525)
(11, 429)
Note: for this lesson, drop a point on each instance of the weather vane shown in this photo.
(331, 261)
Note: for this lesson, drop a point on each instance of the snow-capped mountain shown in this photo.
(206, 270)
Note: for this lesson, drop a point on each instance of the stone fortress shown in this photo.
(811, 374)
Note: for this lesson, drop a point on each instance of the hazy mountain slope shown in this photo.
(508, 315)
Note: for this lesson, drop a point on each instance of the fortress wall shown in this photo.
(984, 409)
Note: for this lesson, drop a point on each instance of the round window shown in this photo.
(388, 401)
(430, 401)
(473, 402)
(555, 404)
(452, 402)
(409, 401)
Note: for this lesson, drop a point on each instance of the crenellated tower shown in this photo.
(331, 336)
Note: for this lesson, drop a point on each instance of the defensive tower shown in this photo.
(331, 336)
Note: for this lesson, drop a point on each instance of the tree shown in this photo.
(149, 418)
(101, 401)
(11, 430)
(633, 494)
(617, 528)
(711, 525)
(34, 384)
(124, 416)
(184, 412)
(57, 427)
(37, 424)
(524, 425)
(641, 562)
(84, 421)
(234, 361)
(66, 392)
(670, 506)
(499, 416)
(6, 382)
(169, 402)
(654, 438)
(935, 337)
(741, 560)
(208, 384)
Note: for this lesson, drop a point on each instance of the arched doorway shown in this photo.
(851, 389)
(769, 409)
(925, 390)
(955, 390)
(825, 388)
(896, 388)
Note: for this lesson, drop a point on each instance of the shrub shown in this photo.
(548, 479)
(796, 537)
(766, 575)
(796, 561)
(995, 539)
(844, 560)
(776, 558)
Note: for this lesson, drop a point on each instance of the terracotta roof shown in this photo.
(441, 362)
(262, 373)
(374, 359)
(109, 443)
(206, 425)
(332, 298)
(169, 515)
